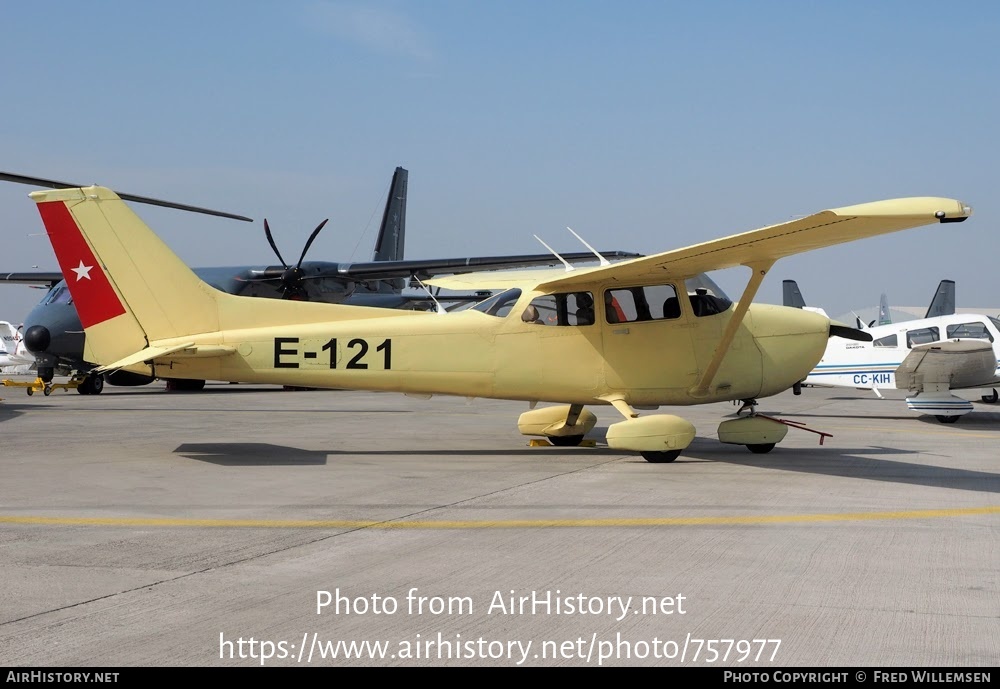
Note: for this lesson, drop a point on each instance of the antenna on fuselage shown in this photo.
(552, 251)
(604, 261)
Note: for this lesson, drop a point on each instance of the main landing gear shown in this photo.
(991, 398)
(658, 438)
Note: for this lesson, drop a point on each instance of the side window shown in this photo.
(887, 341)
(647, 303)
(571, 308)
(921, 336)
(976, 331)
(541, 311)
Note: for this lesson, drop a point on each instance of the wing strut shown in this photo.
(759, 271)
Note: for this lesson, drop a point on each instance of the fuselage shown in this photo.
(847, 363)
(490, 351)
(55, 337)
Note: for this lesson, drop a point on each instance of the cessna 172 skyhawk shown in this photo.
(636, 334)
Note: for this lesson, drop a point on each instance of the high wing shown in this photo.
(426, 268)
(768, 244)
(953, 364)
(497, 279)
(35, 279)
(759, 249)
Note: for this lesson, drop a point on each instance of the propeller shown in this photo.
(849, 333)
(292, 278)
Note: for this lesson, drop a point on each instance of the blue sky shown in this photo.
(644, 126)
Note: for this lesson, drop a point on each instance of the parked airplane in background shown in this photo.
(942, 303)
(54, 335)
(929, 356)
(636, 334)
(14, 357)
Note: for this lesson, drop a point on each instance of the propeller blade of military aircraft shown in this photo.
(53, 184)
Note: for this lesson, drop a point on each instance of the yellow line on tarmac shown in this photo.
(499, 524)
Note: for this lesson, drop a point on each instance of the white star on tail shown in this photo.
(82, 271)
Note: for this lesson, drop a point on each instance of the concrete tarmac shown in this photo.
(249, 525)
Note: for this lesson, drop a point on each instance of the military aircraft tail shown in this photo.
(883, 311)
(392, 232)
(943, 301)
(791, 296)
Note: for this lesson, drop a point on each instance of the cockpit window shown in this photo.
(500, 304)
(58, 295)
(707, 298)
(921, 336)
(974, 330)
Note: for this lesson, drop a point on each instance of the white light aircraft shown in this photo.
(14, 356)
(637, 334)
(929, 357)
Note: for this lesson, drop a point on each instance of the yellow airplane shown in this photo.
(638, 334)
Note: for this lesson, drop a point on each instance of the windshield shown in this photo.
(58, 295)
(499, 305)
(707, 298)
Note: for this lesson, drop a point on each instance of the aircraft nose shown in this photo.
(791, 342)
(37, 339)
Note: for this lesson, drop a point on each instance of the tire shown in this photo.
(947, 419)
(992, 398)
(29, 391)
(184, 385)
(46, 373)
(566, 440)
(761, 449)
(47, 390)
(660, 457)
(93, 384)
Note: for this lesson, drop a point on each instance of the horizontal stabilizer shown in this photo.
(186, 350)
(953, 364)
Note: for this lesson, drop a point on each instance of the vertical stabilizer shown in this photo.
(943, 302)
(791, 296)
(883, 311)
(10, 338)
(96, 236)
(392, 232)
